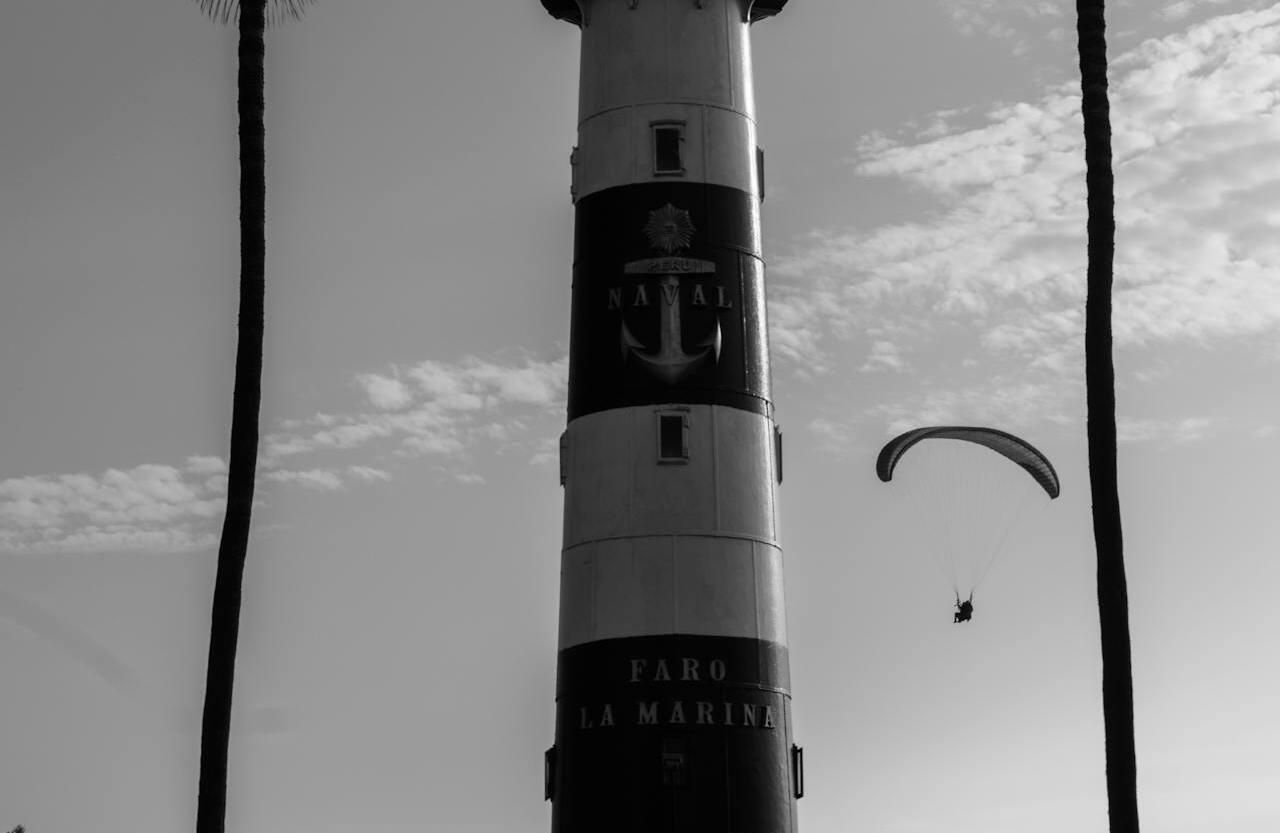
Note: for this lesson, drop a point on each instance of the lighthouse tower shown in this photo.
(672, 688)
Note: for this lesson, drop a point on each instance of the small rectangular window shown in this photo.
(667, 150)
(797, 770)
(673, 437)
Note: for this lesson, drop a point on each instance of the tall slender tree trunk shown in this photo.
(224, 630)
(1113, 594)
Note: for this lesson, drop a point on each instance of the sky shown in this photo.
(924, 233)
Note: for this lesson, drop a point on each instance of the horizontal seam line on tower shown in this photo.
(657, 101)
(737, 536)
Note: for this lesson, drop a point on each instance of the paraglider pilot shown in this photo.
(964, 610)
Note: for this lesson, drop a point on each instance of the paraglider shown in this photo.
(971, 498)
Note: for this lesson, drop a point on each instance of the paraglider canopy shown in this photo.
(1015, 448)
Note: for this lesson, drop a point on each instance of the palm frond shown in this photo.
(225, 11)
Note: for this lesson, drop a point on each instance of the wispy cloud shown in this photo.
(386, 393)
(884, 356)
(998, 267)
(972, 15)
(1004, 19)
(318, 479)
(1177, 430)
(368, 474)
(445, 410)
(147, 507)
(433, 408)
(1185, 8)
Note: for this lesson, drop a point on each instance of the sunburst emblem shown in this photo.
(669, 228)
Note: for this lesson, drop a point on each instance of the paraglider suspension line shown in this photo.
(998, 550)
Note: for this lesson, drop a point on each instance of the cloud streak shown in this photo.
(433, 408)
(993, 18)
(147, 507)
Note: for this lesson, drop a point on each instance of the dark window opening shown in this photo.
(673, 437)
(666, 150)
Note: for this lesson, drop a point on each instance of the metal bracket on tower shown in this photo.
(797, 770)
(549, 774)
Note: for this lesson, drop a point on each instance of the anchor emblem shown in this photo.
(671, 363)
(669, 229)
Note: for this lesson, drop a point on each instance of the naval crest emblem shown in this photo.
(669, 228)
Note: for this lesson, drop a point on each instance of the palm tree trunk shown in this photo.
(225, 618)
(1113, 595)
